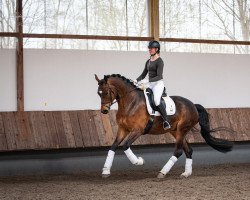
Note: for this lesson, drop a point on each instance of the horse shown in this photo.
(132, 118)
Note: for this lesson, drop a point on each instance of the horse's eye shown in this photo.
(99, 92)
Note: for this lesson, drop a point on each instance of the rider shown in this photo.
(154, 69)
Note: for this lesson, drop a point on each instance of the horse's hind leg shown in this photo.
(188, 166)
(129, 153)
(177, 153)
(121, 134)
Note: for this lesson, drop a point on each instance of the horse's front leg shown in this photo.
(121, 134)
(129, 153)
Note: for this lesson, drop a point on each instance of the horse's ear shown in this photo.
(96, 78)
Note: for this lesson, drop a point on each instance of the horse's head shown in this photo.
(106, 93)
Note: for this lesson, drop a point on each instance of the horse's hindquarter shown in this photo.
(183, 103)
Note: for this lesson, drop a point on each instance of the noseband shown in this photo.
(110, 97)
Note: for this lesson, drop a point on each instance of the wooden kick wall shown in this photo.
(89, 128)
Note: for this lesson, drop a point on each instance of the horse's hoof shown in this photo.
(105, 172)
(141, 161)
(185, 174)
(160, 175)
(105, 175)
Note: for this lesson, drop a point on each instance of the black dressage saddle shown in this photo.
(150, 95)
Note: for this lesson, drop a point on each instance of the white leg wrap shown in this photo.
(188, 168)
(133, 158)
(108, 162)
(169, 165)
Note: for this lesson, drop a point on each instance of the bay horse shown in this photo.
(132, 118)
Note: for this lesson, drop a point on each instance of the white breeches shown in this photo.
(157, 88)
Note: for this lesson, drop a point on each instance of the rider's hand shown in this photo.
(144, 81)
(143, 84)
(135, 82)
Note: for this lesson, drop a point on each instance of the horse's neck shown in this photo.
(127, 96)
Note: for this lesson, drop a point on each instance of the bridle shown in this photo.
(110, 97)
(117, 99)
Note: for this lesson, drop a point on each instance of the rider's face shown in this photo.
(152, 51)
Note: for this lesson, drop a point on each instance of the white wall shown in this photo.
(213, 80)
(64, 79)
(7, 80)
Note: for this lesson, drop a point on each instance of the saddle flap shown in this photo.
(150, 96)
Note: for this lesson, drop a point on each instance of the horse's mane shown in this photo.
(126, 80)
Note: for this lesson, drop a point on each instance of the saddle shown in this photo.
(165, 101)
(150, 95)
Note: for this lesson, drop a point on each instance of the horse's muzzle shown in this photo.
(104, 110)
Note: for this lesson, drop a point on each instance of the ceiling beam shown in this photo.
(154, 19)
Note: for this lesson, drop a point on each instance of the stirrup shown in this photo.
(166, 125)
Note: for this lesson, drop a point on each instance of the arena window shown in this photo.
(203, 26)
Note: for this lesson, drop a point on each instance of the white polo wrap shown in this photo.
(133, 158)
(188, 165)
(108, 162)
(169, 165)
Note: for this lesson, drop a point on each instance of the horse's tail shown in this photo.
(218, 144)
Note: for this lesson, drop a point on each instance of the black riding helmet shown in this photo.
(154, 44)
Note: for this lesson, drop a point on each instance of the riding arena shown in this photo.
(124, 99)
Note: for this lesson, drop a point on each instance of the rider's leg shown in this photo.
(158, 88)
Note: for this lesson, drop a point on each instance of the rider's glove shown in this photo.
(144, 81)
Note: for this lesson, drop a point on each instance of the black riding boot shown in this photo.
(162, 110)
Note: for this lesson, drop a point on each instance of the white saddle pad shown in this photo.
(170, 106)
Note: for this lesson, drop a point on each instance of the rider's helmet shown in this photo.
(154, 44)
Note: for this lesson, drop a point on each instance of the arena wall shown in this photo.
(41, 130)
(62, 107)
(64, 79)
